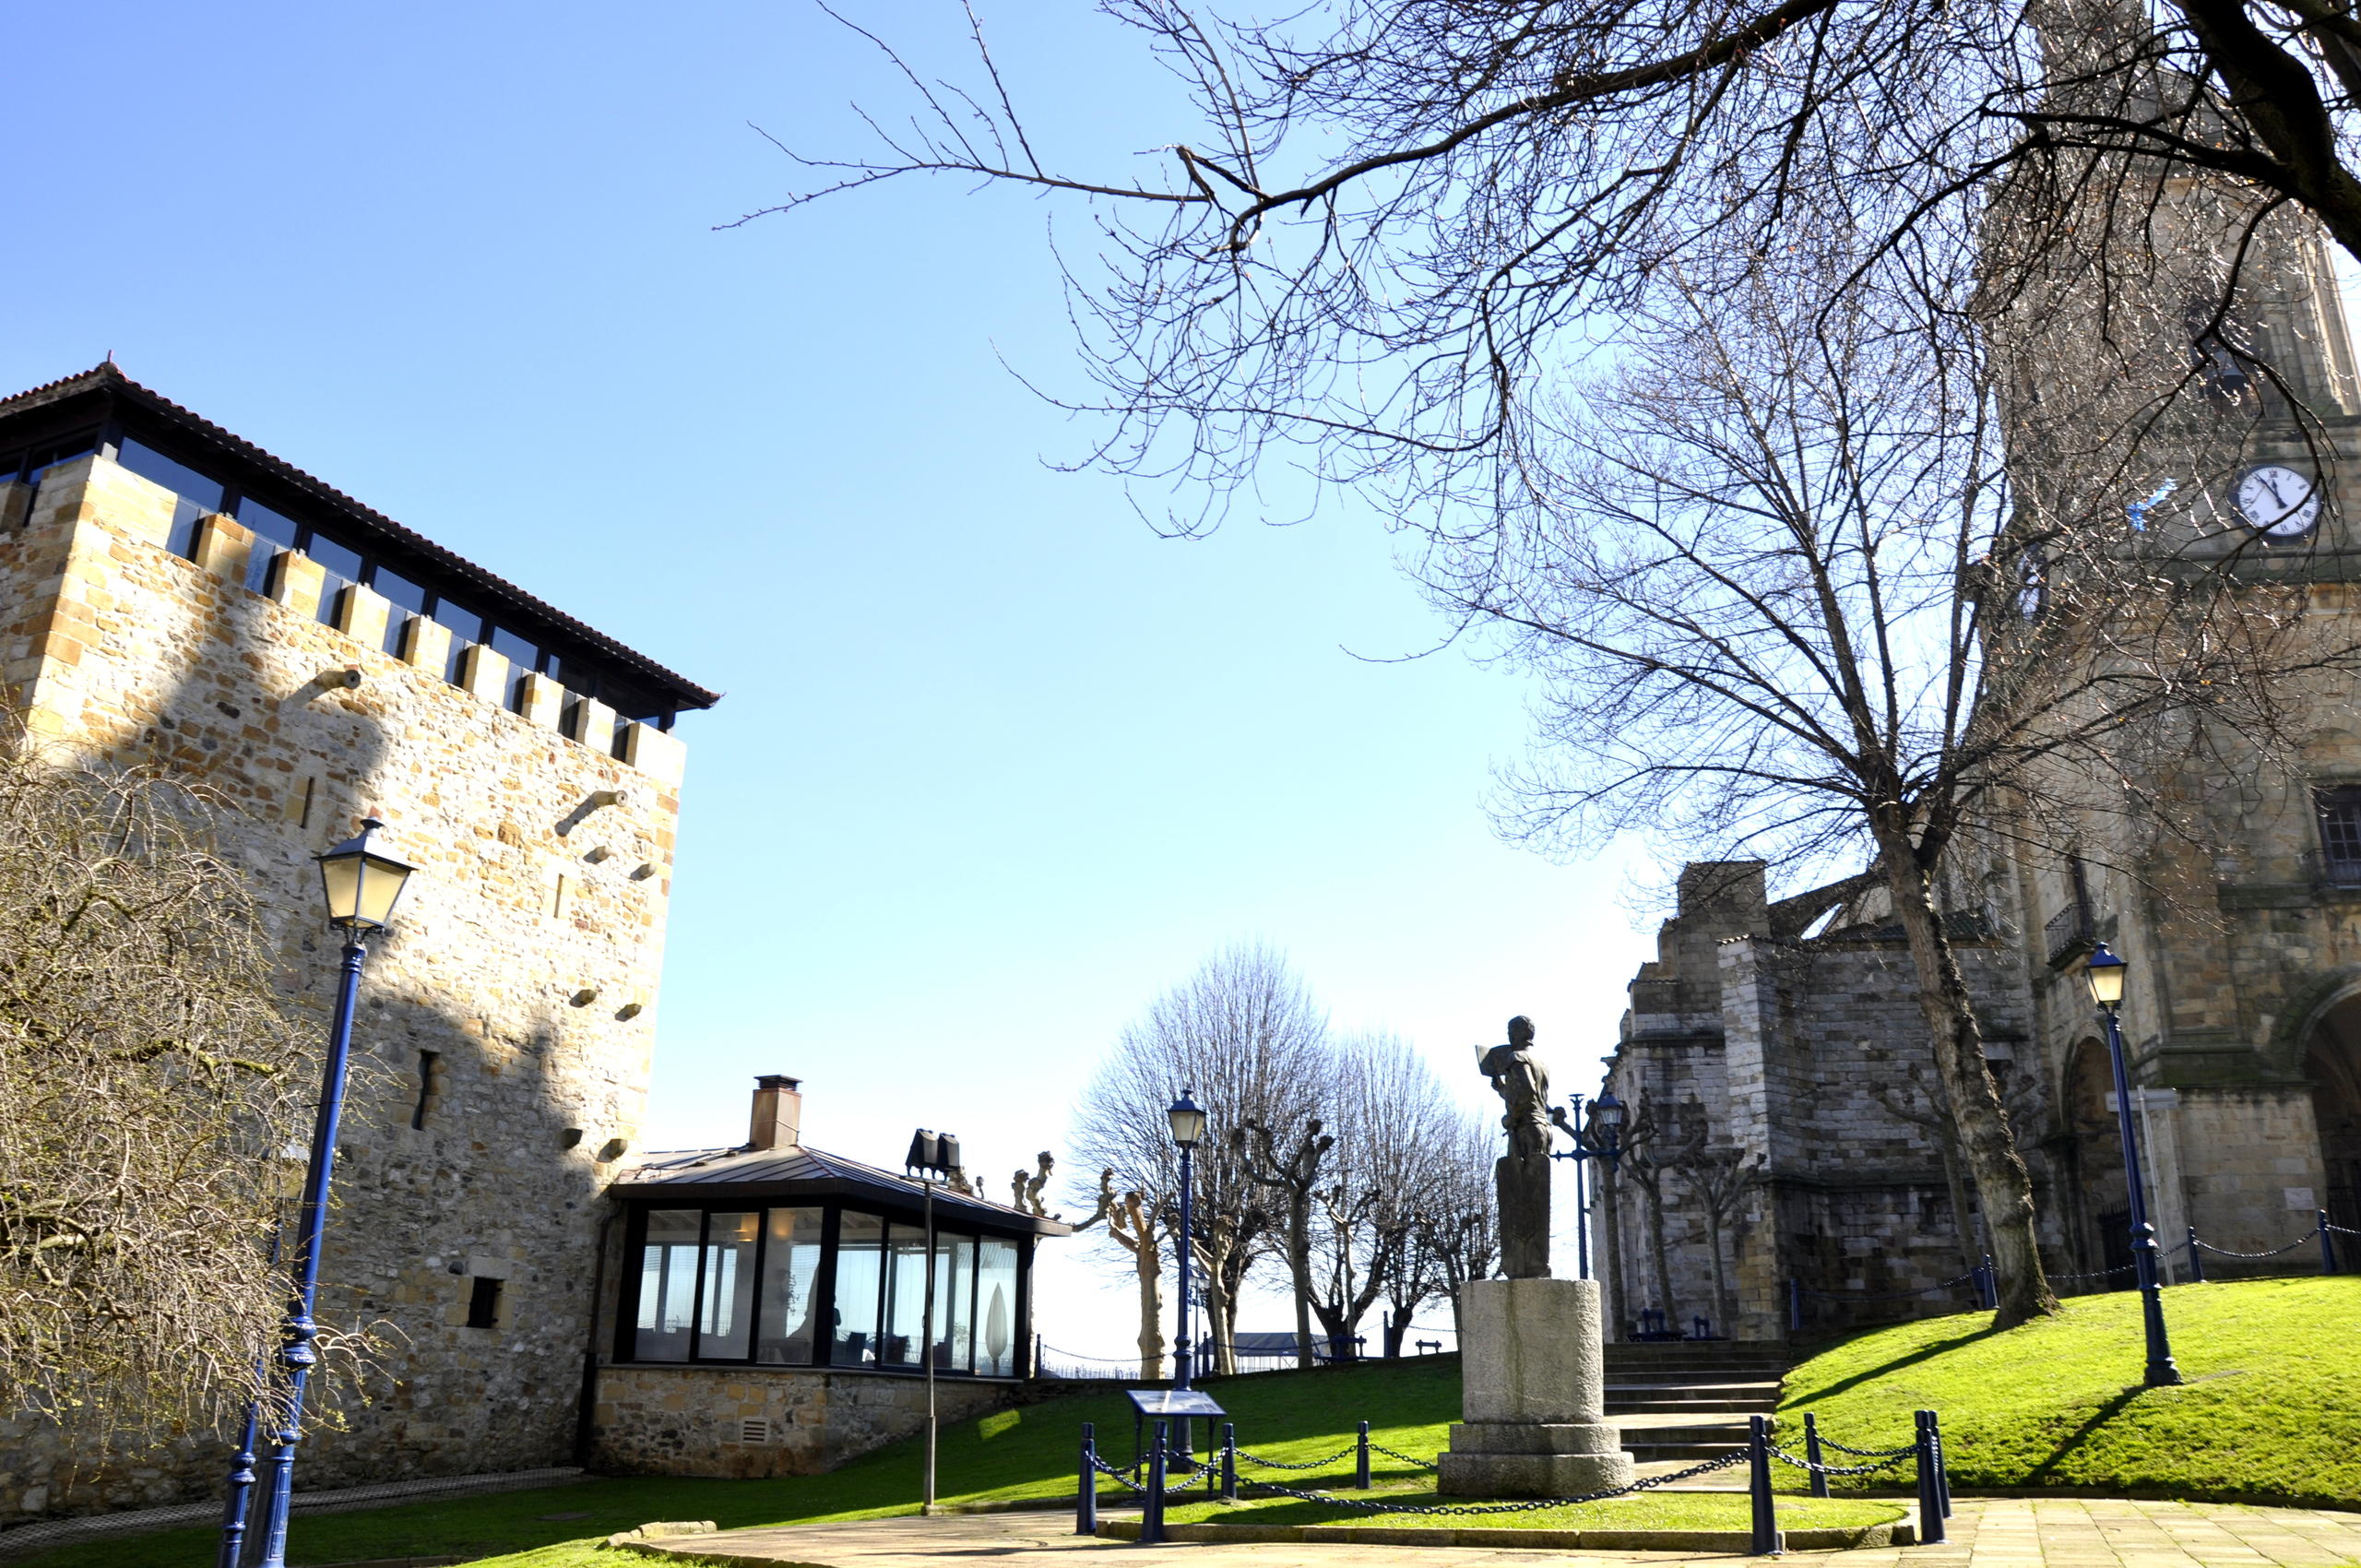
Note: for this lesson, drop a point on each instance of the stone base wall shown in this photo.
(691, 1420)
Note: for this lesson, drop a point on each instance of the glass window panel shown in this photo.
(466, 625)
(576, 676)
(178, 478)
(954, 1301)
(276, 527)
(397, 631)
(399, 591)
(726, 1311)
(860, 1240)
(996, 1324)
(667, 1285)
(260, 565)
(521, 655)
(339, 561)
(790, 1264)
(46, 457)
(905, 1298)
(180, 537)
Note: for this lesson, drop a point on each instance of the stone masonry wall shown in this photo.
(690, 1420)
(502, 1049)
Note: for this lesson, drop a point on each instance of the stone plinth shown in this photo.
(1534, 1372)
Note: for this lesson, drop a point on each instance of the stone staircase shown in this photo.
(1685, 1400)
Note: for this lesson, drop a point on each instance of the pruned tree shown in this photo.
(1293, 1180)
(1245, 1035)
(153, 1079)
(1132, 1222)
(1457, 1232)
(1651, 1148)
(1398, 1119)
(1720, 1180)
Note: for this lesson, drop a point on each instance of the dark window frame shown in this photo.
(624, 1346)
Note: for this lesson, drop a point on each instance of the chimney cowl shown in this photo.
(778, 1121)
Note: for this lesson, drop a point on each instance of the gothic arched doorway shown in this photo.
(2102, 1206)
(2333, 1064)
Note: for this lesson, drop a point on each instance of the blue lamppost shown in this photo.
(2105, 972)
(362, 885)
(1607, 1117)
(1188, 1121)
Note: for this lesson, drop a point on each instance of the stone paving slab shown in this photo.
(1985, 1533)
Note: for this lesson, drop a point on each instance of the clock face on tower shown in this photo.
(2277, 501)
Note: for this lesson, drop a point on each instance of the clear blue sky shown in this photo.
(996, 764)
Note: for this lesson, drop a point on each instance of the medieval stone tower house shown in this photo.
(171, 593)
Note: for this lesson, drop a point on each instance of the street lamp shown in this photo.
(2105, 971)
(1188, 1119)
(1607, 1118)
(361, 884)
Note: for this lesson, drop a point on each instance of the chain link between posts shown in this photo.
(2312, 1235)
(1887, 1464)
(1377, 1505)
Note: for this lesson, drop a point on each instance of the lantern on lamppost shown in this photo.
(1602, 1139)
(2104, 971)
(360, 884)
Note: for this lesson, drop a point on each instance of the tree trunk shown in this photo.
(1652, 1189)
(1722, 1303)
(1299, 1267)
(1397, 1325)
(1148, 1258)
(2003, 1185)
(1610, 1222)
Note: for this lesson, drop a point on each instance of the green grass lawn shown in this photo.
(1027, 1453)
(1648, 1511)
(2270, 1412)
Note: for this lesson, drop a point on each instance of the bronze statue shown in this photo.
(1520, 1176)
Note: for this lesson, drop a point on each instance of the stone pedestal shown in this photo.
(1533, 1368)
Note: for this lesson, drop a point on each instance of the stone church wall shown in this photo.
(502, 1049)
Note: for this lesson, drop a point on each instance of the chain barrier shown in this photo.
(2312, 1235)
(1868, 1453)
(1192, 1483)
(1887, 1464)
(1896, 1296)
(1394, 1454)
(2096, 1273)
(1283, 1465)
(1528, 1506)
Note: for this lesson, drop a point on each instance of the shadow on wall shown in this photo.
(501, 1047)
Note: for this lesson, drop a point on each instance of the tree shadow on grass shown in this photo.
(2043, 1473)
(1925, 1353)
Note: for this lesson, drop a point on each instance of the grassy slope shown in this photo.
(2271, 1411)
(1028, 1453)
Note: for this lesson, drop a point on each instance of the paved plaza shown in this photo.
(1987, 1533)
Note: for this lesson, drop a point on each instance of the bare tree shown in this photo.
(1245, 1035)
(1133, 1223)
(1457, 1228)
(1720, 1180)
(152, 1080)
(1383, 228)
(1294, 1180)
(1391, 1163)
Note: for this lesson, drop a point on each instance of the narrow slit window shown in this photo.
(426, 1062)
(483, 1302)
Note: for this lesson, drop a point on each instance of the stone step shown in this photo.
(1676, 1406)
(1751, 1388)
(1653, 1453)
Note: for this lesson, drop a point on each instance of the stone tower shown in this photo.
(173, 594)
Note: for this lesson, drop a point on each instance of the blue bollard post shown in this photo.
(1991, 1286)
(1229, 1462)
(1794, 1306)
(1811, 1452)
(1930, 1499)
(2196, 1264)
(1085, 1497)
(1360, 1459)
(1765, 1539)
(2328, 1245)
(1942, 1465)
(1152, 1507)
